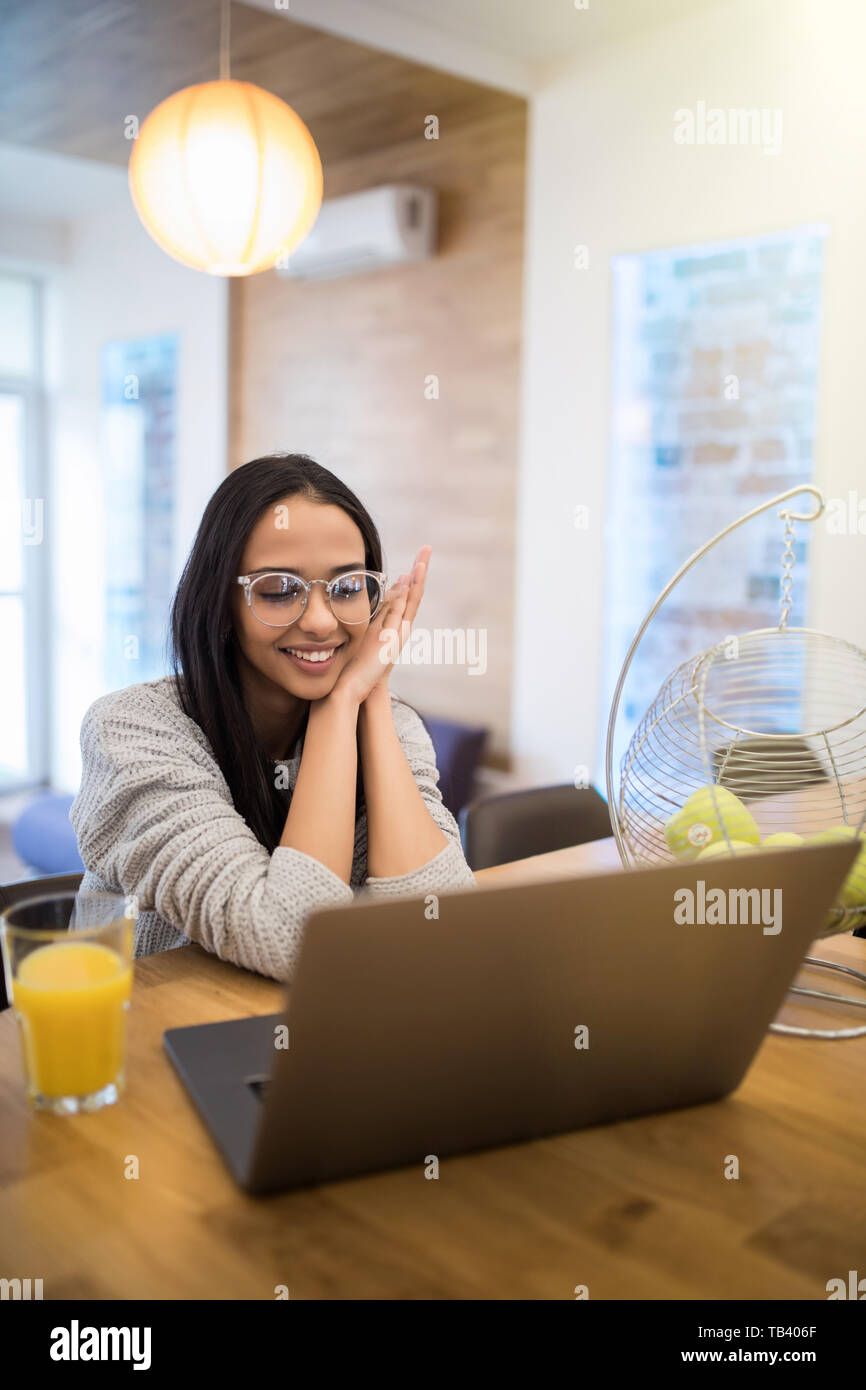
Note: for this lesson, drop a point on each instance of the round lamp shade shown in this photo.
(225, 177)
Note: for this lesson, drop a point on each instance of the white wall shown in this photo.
(606, 172)
(110, 282)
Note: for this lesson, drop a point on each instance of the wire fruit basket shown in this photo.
(758, 741)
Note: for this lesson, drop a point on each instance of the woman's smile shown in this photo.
(315, 660)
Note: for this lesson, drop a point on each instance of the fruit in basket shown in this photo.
(720, 848)
(781, 838)
(853, 890)
(711, 814)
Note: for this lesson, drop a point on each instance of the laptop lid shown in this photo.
(421, 1028)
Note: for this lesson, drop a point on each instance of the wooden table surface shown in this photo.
(638, 1209)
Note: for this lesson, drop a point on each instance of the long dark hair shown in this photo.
(204, 664)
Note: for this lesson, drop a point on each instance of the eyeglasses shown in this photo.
(279, 598)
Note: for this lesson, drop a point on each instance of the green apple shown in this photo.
(719, 848)
(782, 837)
(704, 819)
(853, 891)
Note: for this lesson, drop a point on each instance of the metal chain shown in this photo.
(225, 40)
(786, 602)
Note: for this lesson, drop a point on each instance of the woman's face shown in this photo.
(315, 541)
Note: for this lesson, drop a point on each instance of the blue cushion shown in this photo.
(458, 749)
(43, 836)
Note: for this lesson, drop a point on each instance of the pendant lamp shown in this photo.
(225, 176)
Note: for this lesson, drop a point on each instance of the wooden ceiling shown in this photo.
(71, 73)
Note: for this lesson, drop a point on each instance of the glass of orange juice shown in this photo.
(67, 958)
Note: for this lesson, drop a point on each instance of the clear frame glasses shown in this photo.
(279, 598)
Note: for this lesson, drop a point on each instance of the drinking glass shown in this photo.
(67, 960)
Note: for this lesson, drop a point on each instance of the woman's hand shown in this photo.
(377, 653)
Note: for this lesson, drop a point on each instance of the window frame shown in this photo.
(35, 590)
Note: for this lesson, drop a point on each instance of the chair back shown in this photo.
(757, 767)
(516, 825)
(15, 894)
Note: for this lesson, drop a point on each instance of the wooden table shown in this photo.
(639, 1209)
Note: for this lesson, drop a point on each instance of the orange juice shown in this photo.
(70, 997)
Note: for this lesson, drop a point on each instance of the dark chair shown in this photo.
(458, 748)
(16, 894)
(758, 767)
(516, 825)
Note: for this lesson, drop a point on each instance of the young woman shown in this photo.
(274, 772)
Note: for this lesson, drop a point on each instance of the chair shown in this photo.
(757, 767)
(516, 825)
(14, 894)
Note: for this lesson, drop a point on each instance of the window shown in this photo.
(714, 387)
(23, 586)
(139, 393)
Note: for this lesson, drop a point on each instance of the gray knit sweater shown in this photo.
(155, 820)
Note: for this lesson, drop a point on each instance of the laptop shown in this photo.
(516, 1013)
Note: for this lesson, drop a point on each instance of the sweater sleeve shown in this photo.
(448, 869)
(154, 816)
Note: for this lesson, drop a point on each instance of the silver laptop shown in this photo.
(518, 1012)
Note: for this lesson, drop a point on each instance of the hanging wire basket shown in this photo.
(759, 740)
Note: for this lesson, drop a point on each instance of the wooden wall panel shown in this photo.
(70, 74)
(337, 369)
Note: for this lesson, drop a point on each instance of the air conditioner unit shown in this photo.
(388, 226)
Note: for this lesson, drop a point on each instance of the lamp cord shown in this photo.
(225, 39)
